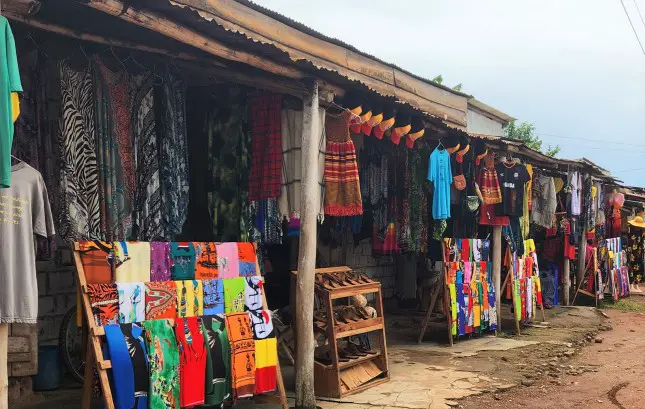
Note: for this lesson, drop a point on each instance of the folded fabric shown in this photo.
(262, 324)
(104, 300)
(218, 360)
(228, 260)
(205, 261)
(247, 258)
(132, 261)
(161, 300)
(266, 360)
(238, 327)
(253, 293)
(163, 359)
(192, 361)
(183, 261)
(213, 296)
(234, 294)
(190, 295)
(131, 302)
(160, 261)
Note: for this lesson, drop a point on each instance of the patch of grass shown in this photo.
(625, 304)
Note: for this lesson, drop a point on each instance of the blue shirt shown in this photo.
(440, 174)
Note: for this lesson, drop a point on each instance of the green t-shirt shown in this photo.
(9, 82)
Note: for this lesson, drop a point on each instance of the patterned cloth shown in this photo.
(228, 260)
(80, 214)
(488, 181)
(266, 137)
(163, 358)
(161, 300)
(213, 297)
(190, 298)
(117, 182)
(192, 361)
(104, 300)
(183, 261)
(262, 324)
(96, 258)
(132, 261)
(218, 360)
(160, 261)
(206, 261)
(131, 302)
(238, 327)
(253, 293)
(342, 186)
(234, 294)
(247, 258)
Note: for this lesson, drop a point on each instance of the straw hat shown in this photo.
(637, 222)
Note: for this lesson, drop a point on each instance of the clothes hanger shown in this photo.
(440, 145)
(17, 159)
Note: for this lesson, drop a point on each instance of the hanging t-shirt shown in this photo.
(24, 212)
(575, 185)
(512, 180)
(9, 86)
(440, 174)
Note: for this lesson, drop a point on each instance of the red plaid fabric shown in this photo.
(266, 158)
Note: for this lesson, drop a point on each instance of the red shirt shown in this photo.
(192, 361)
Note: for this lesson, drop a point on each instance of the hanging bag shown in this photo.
(460, 180)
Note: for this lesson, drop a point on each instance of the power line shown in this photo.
(639, 12)
(630, 23)
(588, 139)
(628, 170)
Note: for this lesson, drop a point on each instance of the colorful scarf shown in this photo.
(238, 327)
(262, 324)
(266, 137)
(192, 361)
(183, 261)
(163, 357)
(266, 361)
(131, 302)
(253, 293)
(218, 360)
(190, 296)
(342, 185)
(132, 261)
(97, 259)
(213, 297)
(160, 261)
(104, 300)
(234, 294)
(228, 260)
(206, 261)
(161, 300)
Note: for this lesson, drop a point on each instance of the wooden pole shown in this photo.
(309, 208)
(582, 255)
(4, 366)
(567, 280)
(497, 272)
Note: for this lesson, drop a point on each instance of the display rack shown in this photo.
(338, 379)
(94, 352)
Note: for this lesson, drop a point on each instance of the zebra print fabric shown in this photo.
(80, 217)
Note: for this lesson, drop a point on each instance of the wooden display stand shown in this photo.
(339, 379)
(591, 269)
(442, 285)
(95, 346)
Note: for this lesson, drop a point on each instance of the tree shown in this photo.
(525, 132)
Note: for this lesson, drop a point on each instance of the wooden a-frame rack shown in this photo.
(95, 342)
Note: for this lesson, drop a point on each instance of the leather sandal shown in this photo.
(343, 353)
(366, 350)
(352, 348)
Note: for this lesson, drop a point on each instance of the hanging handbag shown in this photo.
(471, 203)
(459, 180)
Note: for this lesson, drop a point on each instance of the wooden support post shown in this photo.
(309, 208)
(582, 256)
(567, 280)
(4, 366)
(497, 272)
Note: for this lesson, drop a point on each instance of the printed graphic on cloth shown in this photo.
(161, 300)
(160, 261)
(206, 261)
(163, 358)
(104, 300)
(132, 261)
(234, 294)
(131, 302)
(228, 260)
(266, 360)
(262, 324)
(218, 360)
(266, 159)
(253, 293)
(183, 261)
(97, 257)
(192, 361)
(247, 258)
(238, 327)
(190, 295)
(213, 297)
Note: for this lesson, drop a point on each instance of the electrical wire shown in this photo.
(588, 139)
(633, 28)
(639, 12)
(628, 170)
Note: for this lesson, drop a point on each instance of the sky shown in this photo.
(573, 68)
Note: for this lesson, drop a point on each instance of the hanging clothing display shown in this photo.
(238, 328)
(512, 179)
(635, 253)
(163, 358)
(575, 199)
(192, 361)
(290, 194)
(127, 353)
(132, 261)
(213, 296)
(544, 201)
(160, 261)
(342, 185)
(10, 85)
(218, 360)
(234, 294)
(266, 138)
(24, 213)
(97, 258)
(488, 182)
(104, 300)
(440, 174)
(131, 302)
(161, 300)
(205, 261)
(183, 261)
(267, 225)
(190, 298)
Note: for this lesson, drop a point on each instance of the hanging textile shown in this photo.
(131, 302)
(238, 327)
(205, 260)
(544, 201)
(117, 183)
(192, 361)
(266, 158)
(213, 297)
(290, 194)
(267, 226)
(342, 186)
(125, 349)
(97, 258)
(132, 261)
(80, 214)
(104, 300)
(183, 260)
(218, 360)
(234, 294)
(417, 203)
(163, 357)
(161, 300)
(10, 86)
(190, 298)
(160, 261)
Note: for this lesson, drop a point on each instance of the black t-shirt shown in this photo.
(511, 181)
